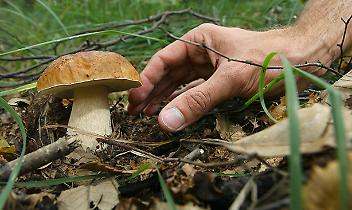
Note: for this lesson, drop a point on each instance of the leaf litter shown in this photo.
(193, 186)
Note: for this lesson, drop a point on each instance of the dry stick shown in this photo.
(343, 40)
(150, 19)
(220, 142)
(103, 139)
(229, 59)
(126, 144)
(25, 58)
(40, 157)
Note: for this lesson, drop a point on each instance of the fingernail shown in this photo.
(173, 118)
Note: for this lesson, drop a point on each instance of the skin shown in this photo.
(212, 79)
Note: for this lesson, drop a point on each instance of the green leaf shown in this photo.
(294, 136)
(51, 182)
(168, 196)
(266, 62)
(339, 127)
(19, 89)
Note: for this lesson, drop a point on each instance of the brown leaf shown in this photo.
(316, 132)
(228, 130)
(322, 188)
(103, 194)
(344, 86)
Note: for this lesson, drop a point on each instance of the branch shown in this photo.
(229, 59)
(151, 19)
(25, 58)
(343, 41)
(40, 157)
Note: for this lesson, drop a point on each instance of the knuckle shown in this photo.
(206, 26)
(198, 101)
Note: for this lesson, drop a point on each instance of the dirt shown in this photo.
(211, 187)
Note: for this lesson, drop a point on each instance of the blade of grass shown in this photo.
(19, 89)
(142, 168)
(168, 196)
(270, 85)
(108, 32)
(18, 14)
(265, 65)
(10, 182)
(52, 182)
(55, 16)
(339, 127)
(294, 136)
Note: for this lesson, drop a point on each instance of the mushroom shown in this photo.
(88, 77)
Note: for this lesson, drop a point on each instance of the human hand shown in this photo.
(181, 63)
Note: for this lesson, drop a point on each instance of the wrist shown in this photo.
(310, 46)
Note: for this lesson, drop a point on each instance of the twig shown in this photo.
(25, 58)
(42, 156)
(150, 19)
(229, 59)
(343, 40)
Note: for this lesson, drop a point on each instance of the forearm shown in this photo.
(321, 22)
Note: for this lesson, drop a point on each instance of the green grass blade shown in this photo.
(52, 182)
(55, 16)
(108, 32)
(10, 182)
(294, 137)
(339, 127)
(168, 196)
(270, 85)
(142, 168)
(265, 65)
(19, 89)
(19, 14)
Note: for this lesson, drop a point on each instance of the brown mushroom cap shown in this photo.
(88, 69)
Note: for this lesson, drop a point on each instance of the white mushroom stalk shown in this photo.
(90, 112)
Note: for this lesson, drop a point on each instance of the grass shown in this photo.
(25, 23)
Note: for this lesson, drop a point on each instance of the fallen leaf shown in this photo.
(312, 99)
(228, 130)
(158, 205)
(344, 86)
(102, 194)
(322, 189)
(279, 111)
(316, 132)
(5, 147)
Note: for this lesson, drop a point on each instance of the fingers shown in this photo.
(177, 57)
(194, 103)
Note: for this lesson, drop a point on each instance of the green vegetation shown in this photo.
(25, 23)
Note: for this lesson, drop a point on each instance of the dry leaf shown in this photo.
(312, 99)
(5, 147)
(322, 189)
(227, 130)
(316, 132)
(279, 111)
(344, 86)
(102, 194)
(158, 205)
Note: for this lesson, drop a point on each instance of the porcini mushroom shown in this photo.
(88, 77)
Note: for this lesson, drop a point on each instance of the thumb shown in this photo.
(195, 102)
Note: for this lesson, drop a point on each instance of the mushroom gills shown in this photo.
(90, 112)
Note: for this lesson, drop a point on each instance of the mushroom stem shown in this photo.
(90, 112)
